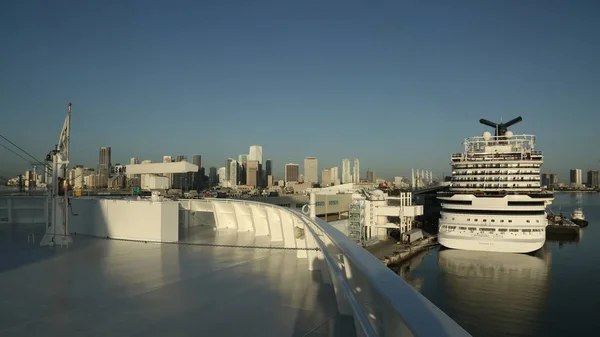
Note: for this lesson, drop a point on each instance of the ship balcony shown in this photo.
(497, 165)
(208, 267)
(496, 193)
(472, 172)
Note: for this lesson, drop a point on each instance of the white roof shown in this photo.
(158, 168)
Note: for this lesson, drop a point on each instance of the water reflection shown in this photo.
(405, 269)
(495, 293)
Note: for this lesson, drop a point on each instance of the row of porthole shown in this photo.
(472, 229)
(492, 220)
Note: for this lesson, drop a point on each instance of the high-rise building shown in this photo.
(228, 167)
(252, 172)
(203, 178)
(545, 179)
(168, 159)
(311, 170)
(256, 153)
(268, 167)
(181, 180)
(132, 161)
(371, 176)
(576, 177)
(292, 173)
(221, 174)
(233, 174)
(356, 173)
(553, 180)
(197, 178)
(326, 177)
(335, 177)
(269, 181)
(104, 165)
(213, 178)
(592, 178)
(346, 175)
(242, 159)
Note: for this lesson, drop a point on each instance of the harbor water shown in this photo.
(552, 292)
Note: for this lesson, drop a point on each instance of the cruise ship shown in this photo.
(495, 202)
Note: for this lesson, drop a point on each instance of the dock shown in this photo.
(391, 253)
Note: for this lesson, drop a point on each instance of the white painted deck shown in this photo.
(322, 284)
(116, 288)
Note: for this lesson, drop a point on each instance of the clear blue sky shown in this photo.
(397, 84)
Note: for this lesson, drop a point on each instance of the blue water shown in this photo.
(554, 292)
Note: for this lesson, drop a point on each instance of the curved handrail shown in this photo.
(359, 314)
(419, 315)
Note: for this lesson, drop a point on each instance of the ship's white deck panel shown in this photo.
(117, 288)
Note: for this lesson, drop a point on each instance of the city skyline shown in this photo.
(397, 85)
(277, 170)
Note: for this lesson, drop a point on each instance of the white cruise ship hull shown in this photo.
(500, 245)
(495, 202)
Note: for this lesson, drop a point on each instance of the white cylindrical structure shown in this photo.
(313, 205)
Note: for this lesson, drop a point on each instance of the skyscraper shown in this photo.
(252, 172)
(228, 167)
(346, 175)
(181, 180)
(292, 173)
(592, 179)
(233, 174)
(242, 159)
(256, 153)
(576, 177)
(546, 179)
(197, 178)
(104, 165)
(132, 161)
(335, 177)
(169, 159)
(371, 176)
(268, 169)
(311, 170)
(203, 177)
(356, 173)
(553, 183)
(326, 177)
(221, 174)
(213, 178)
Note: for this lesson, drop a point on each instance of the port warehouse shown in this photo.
(331, 204)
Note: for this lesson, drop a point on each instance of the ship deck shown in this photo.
(98, 287)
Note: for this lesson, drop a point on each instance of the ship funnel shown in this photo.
(501, 128)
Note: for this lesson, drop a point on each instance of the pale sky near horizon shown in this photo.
(397, 84)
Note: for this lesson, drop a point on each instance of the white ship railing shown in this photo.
(382, 305)
(379, 301)
(517, 143)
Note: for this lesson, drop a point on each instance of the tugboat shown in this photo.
(578, 218)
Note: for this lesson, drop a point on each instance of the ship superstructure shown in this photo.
(495, 202)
